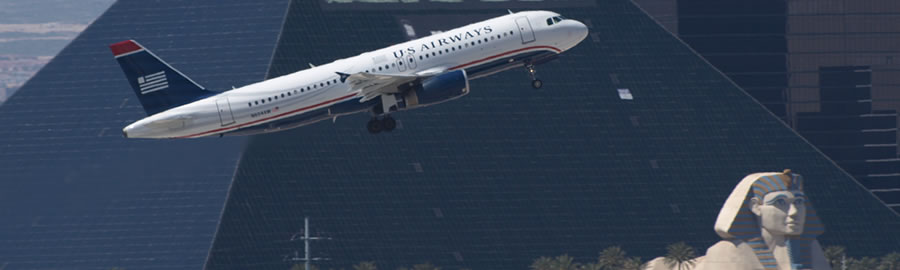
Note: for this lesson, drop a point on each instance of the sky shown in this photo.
(44, 27)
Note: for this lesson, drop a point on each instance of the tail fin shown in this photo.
(158, 85)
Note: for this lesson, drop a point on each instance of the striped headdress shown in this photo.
(736, 221)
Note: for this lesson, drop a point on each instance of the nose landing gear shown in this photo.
(386, 124)
(535, 82)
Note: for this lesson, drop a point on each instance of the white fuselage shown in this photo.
(320, 87)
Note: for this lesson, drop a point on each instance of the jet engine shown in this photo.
(447, 86)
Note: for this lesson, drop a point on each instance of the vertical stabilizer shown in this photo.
(157, 85)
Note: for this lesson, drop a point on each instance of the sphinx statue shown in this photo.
(767, 223)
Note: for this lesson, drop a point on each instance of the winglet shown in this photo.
(125, 47)
(344, 76)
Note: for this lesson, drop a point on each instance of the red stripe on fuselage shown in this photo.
(347, 96)
(271, 117)
(504, 54)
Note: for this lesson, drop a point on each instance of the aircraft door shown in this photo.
(225, 115)
(525, 29)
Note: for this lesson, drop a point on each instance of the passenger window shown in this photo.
(321, 85)
(282, 95)
(420, 57)
(511, 33)
(335, 81)
(256, 102)
(328, 83)
(276, 97)
(249, 104)
(386, 67)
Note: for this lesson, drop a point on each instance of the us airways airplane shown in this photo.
(404, 76)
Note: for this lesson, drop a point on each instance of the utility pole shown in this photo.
(306, 250)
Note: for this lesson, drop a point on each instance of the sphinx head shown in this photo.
(774, 202)
(780, 212)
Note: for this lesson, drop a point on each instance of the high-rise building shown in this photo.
(633, 138)
(824, 67)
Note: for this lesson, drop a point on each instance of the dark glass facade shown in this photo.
(490, 181)
(508, 173)
(74, 194)
(745, 40)
(788, 55)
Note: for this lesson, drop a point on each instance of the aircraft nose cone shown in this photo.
(581, 30)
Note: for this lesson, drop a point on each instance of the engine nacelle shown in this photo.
(434, 90)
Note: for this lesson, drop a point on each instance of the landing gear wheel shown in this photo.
(374, 126)
(537, 84)
(534, 80)
(388, 123)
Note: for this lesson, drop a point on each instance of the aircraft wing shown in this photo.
(370, 85)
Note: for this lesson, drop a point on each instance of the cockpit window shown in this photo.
(554, 20)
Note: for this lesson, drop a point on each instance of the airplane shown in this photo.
(412, 74)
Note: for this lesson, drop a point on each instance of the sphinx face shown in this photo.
(782, 212)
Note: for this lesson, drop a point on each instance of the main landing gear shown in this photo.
(386, 124)
(535, 82)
